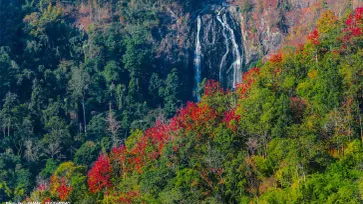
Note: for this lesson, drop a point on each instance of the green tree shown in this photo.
(170, 93)
(78, 87)
(87, 154)
(57, 138)
(7, 115)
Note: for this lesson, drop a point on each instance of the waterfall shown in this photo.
(230, 36)
(221, 65)
(218, 49)
(198, 58)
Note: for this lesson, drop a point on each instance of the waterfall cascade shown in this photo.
(230, 36)
(222, 59)
(198, 59)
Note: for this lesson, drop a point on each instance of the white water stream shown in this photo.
(198, 58)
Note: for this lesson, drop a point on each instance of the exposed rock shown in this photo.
(261, 28)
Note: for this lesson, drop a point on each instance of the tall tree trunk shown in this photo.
(84, 116)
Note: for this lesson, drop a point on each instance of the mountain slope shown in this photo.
(290, 133)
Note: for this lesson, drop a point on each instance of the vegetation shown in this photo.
(67, 93)
(87, 117)
(290, 133)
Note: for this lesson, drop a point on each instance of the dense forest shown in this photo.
(94, 114)
(66, 93)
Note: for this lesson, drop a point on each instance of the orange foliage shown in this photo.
(129, 196)
(61, 187)
(63, 190)
(248, 79)
(313, 74)
(328, 21)
(276, 58)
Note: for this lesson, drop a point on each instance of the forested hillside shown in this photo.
(67, 91)
(290, 133)
(94, 104)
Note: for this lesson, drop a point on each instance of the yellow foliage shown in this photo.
(327, 22)
(39, 20)
(133, 139)
(64, 171)
(360, 186)
(313, 74)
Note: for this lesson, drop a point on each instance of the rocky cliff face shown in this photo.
(260, 28)
(219, 52)
(207, 43)
(232, 34)
(267, 25)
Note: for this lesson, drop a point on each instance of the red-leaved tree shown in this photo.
(63, 190)
(355, 23)
(353, 30)
(212, 87)
(313, 37)
(231, 119)
(100, 174)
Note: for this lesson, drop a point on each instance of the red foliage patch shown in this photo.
(354, 29)
(63, 190)
(355, 23)
(230, 116)
(212, 87)
(248, 79)
(129, 196)
(100, 174)
(118, 153)
(199, 118)
(313, 37)
(42, 187)
(159, 134)
(151, 145)
(276, 58)
(195, 117)
(46, 200)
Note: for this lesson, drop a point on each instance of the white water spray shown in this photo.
(198, 58)
(237, 64)
(221, 65)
